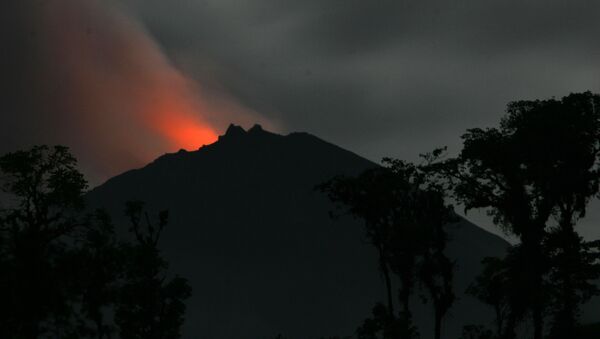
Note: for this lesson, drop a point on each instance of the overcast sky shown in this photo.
(381, 78)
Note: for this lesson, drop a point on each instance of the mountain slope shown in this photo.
(257, 243)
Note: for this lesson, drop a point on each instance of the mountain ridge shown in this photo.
(232, 134)
(257, 243)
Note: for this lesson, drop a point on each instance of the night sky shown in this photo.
(122, 82)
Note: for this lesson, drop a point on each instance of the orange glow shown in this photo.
(117, 97)
(175, 114)
(184, 131)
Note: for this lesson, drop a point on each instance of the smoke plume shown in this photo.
(100, 84)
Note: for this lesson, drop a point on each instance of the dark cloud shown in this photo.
(86, 74)
(19, 57)
(359, 71)
(383, 78)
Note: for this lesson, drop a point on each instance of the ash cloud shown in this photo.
(383, 78)
(87, 74)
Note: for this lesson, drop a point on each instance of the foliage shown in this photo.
(535, 175)
(492, 288)
(150, 306)
(35, 228)
(383, 325)
(404, 214)
(477, 332)
(63, 271)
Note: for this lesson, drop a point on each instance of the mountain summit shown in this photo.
(258, 245)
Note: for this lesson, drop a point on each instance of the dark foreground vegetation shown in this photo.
(534, 175)
(63, 271)
(66, 273)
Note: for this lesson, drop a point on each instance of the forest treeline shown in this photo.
(535, 175)
(64, 273)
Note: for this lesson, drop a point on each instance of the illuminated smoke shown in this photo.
(114, 95)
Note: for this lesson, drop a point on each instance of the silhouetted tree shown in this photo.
(477, 332)
(46, 192)
(541, 163)
(383, 325)
(404, 216)
(426, 211)
(150, 306)
(100, 261)
(491, 287)
(436, 275)
(62, 270)
(570, 130)
(575, 269)
(373, 197)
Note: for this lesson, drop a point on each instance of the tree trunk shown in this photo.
(405, 295)
(536, 264)
(499, 321)
(438, 325)
(509, 329)
(29, 330)
(564, 321)
(538, 321)
(388, 282)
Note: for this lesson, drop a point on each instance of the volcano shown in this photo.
(258, 245)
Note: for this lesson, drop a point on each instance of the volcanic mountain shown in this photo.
(257, 243)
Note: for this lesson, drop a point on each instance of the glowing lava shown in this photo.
(111, 93)
(121, 91)
(184, 130)
(170, 107)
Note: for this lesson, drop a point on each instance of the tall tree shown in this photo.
(372, 197)
(45, 189)
(490, 287)
(99, 260)
(63, 271)
(150, 305)
(541, 164)
(495, 287)
(424, 209)
(404, 216)
(570, 129)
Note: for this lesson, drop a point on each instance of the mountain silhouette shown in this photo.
(257, 243)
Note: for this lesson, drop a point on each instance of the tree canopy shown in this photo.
(63, 271)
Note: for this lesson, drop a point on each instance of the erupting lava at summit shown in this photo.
(180, 125)
(110, 91)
